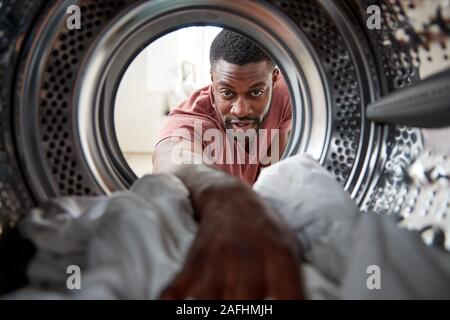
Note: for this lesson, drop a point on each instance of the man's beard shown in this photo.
(256, 121)
(250, 133)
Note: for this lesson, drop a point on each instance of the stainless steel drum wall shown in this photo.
(57, 55)
(345, 92)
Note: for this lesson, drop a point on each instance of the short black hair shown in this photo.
(236, 49)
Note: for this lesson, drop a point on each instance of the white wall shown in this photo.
(153, 85)
(139, 112)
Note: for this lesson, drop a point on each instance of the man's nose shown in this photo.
(241, 108)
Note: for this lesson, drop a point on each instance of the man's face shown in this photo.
(242, 94)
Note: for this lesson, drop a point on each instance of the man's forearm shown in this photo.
(171, 156)
(215, 195)
(242, 249)
(207, 187)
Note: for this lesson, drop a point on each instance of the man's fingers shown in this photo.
(246, 279)
(172, 292)
(179, 288)
(283, 277)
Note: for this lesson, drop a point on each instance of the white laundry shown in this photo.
(131, 244)
(128, 245)
(343, 246)
(316, 208)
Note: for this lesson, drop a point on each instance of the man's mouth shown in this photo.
(242, 124)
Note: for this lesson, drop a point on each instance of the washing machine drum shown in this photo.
(58, 83)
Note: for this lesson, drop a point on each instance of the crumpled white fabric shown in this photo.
(316, 207)
(341, 244)
(131, 244)
(128, 245)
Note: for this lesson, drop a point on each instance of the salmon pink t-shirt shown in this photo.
(198, 121)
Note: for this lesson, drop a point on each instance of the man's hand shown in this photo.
(242, 249)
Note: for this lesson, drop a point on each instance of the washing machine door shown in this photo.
(339, 58)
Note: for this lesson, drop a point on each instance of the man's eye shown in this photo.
(256, 93)
(227, 93)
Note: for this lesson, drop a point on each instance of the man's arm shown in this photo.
(242, 249)
(173, 153)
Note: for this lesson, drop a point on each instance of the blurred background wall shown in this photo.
(162, 75)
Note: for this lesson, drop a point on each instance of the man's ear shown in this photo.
(211, 73)
(275, 74)
(212, 81)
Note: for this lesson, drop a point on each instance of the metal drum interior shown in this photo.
(58, 87)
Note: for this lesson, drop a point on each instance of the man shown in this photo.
(239, 123)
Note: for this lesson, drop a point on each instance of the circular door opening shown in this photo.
(161, 77)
